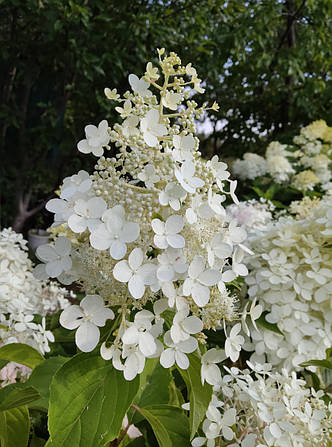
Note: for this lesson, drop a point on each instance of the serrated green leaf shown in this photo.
(17, 395)
(88, 401)
(20, 353)
(41, 378)
(199, 395)
(14, 427)
(169, 424)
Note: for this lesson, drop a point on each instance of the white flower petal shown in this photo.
(39, 272)
(130, 232)
(62, 246)
(147, 344)
(192, 324)
(165, 273)
(71, 317)
(87, 337)
(174, 224)
(209, 277)
(46, 253)
(176, 240)
(77, 223)
(158, 226)
(196, 267)
(118, 249)
(181, 360)
(54, 268)
(167, 358)
(122, 272)
(160, 241)
(212, 374)
(136, 287)
(131, 367)
(135, 258)
(200, 294)
(130, 336)
(188, 346)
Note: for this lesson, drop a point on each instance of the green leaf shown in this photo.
(175, 395)
(199, 395)
(169, 424)
(88, 401)
(37, 442)
(20, 353)
(14, 427)
(258, 191)
(3, 363)
(271, 191)
(320, 363)
(154, 387)
(270, 326)
(41, 378)
(17, 395)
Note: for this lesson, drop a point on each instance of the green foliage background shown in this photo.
(267, 63)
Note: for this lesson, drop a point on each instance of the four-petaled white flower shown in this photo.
(87, 214)
(152, 72)
(86, 317)
(111, 94)
(172, 263)
(167, 232)
(183, 146)
(125, 111)
(215, 201)
(171, 100)
(139, 86)
(172, 196)
(114, 233)
(237, 269)
(129, 126)
(138, 333)
(219, 169)
(151, 128)
(184, 326)
(134, 361)
(79, 183)
(185, 177)
(149, 176)
(57, 259)
(199, 280)
(234, 343)
(135, 273)
(209, 370)
(62, 209)
(112, 353)
(176, 352)
(24, 322)
(96, 139)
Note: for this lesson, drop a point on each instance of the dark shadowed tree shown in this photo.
(267, 63)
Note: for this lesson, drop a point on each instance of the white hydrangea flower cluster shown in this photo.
(22, 296)
(251, 166)
(291, 276)
(265, 409)
(252, 214)
(304, 165)
(147, 231)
